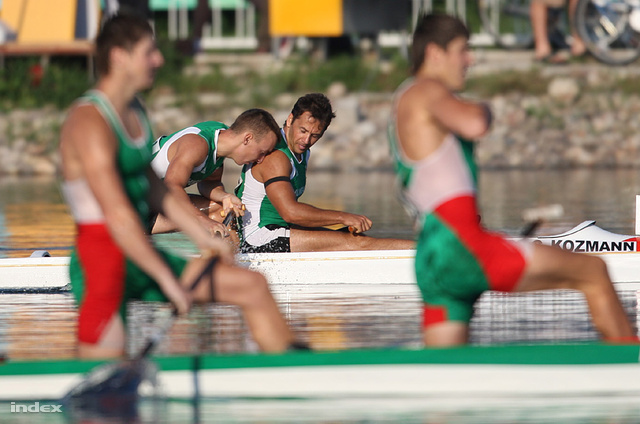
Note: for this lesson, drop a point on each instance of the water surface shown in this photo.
(33, 215)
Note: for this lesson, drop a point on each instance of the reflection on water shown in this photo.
(33, 215)
(605, 195)
(438, 410)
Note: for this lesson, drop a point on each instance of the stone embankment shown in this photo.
(578, 121)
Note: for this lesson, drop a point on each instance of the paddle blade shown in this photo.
(536, 216)
(543, 213)
(113, 382)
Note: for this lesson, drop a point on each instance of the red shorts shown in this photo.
(103, 280)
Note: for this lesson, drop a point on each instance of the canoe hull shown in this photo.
(541, 370)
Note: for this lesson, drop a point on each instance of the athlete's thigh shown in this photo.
(238, 285)
(202, 292)
(555, 268)
(448, 333)
(225, 283)
(320, 239)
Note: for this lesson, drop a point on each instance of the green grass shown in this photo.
(66, 78)
(63, 81)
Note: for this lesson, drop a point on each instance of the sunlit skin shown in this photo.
(146, 60)
(303, 132)
(213, 203)
(90, 157)
(427, 113)
(451, 64)
(254, 150)
(306, 220)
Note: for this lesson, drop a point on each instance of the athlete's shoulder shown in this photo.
(425, 89)
(84, 117)
(275, 157)
(274, 164)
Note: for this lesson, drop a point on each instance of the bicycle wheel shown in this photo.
(507, 21)
(604, 26)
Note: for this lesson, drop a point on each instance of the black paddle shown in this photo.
(227, 219)
(119, 381)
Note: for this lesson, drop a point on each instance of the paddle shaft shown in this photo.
(227, 220)
(228, 217)
(530, 228)
(155, 340)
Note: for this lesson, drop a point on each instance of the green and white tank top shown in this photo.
(209, 131)
(260, 212)
(132, 158)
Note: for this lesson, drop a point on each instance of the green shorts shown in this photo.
(453, 268)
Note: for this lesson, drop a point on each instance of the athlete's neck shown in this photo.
(228, 141)
(119, 95)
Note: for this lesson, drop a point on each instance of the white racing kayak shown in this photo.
(389, 270)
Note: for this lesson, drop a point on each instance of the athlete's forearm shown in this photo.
(216, 193)
(193, 228)
(206, 188)
(174, 208)
(183, 197)
(306, 215)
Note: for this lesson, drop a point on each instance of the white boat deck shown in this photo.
(388, 270)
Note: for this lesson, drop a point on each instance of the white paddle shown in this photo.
(534, 217)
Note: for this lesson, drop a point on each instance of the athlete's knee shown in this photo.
(254, 289)
(448, 333)
(600, 266)
(595, 275)
(595, 268)
(362, 242)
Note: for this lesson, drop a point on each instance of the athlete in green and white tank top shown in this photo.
(262, 224)
(133, 158)
(96, 257)
(209, 131)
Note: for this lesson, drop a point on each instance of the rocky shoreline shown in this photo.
(578, 122)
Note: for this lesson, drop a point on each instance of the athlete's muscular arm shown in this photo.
(213, 189)
(428, 112)
(468, 119)
(174, 208)
(184, 155)
(89, 150)
(282, 196)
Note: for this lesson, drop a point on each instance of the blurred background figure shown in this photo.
(201, 16)
(136, 7)
(545, 42)
(264, 39)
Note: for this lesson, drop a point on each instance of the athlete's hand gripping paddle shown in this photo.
(229, 216)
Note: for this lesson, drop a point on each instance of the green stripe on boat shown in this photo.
(569, 354)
